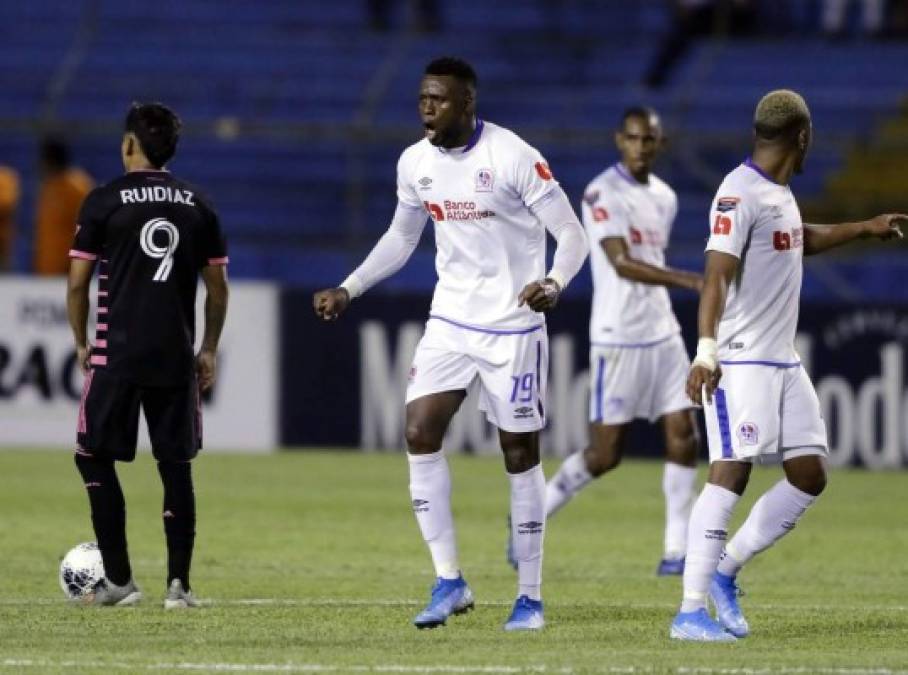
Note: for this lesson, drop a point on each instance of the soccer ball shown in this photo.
(81, 569)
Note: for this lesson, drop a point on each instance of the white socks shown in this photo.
(771, 518)
(678, 486)
(430, 490)
(708, 530)
(571, 477)
(528, 494)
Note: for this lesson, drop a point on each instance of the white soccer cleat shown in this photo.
(107, 594)
(178, 598)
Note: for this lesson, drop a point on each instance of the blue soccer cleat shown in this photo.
(509, 549)
(699, 626)
(724, 593)
(526, 615)
(449, 596)
(670, 567)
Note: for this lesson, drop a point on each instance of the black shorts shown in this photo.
(108, 424)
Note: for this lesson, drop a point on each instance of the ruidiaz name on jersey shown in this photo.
(157, 193)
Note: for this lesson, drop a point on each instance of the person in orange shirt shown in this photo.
(63, 187)
(9, 202)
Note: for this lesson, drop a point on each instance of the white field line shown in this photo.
(396, 668)
(413, 602)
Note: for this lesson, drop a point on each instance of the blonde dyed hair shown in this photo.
(781, 113)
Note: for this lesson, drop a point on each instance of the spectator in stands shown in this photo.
(696, 18)
(425, 14)
(60, 195)
(836, 11)
(9, 202)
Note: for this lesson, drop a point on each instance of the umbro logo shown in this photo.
(530, 527)
(721, 535)
(420, 505)
(425, 182)
(523, 412)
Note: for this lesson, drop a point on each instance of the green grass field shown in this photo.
(313, 563)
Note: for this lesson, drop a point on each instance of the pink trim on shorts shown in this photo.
(98, 360)
(218, 261)
(82, 255)
(101, 344)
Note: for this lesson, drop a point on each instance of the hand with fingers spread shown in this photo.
(540, 296)
(887, 226)
(330, 303)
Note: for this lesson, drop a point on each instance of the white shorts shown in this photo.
(512, 367)
(762, 410)
(630, 382)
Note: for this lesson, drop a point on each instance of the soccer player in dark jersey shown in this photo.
(150, 235)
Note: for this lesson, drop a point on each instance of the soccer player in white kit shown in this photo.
(757, 399)
(492, 197)
(638, 362)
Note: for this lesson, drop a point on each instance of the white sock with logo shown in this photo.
(572, 476)
(430, 491)
(772, 517)
(678, 487)
(707, 532)
(528, 523)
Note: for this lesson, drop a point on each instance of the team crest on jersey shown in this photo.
(726, 204)
(600, 214)
(545, 173)
(748, 433)
(485, 180)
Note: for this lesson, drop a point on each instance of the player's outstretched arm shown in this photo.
(630, 268)
(80, 272)
(721, 268)
(387, 257)
(215, 278)
(571, 250)
(819, 238)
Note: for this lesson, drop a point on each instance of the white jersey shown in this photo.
(489, 243)
(615, 204)
(758, 221)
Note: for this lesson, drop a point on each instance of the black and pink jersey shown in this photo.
(151, 233)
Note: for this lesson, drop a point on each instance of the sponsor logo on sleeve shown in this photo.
(545, 173)
(722, 225)
(726, 204)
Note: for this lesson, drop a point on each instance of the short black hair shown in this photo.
(55, 152)
(158, 129)
(455, 67)
(643, 112)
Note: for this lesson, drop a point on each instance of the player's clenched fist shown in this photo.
(331, 303)
(540, 295)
